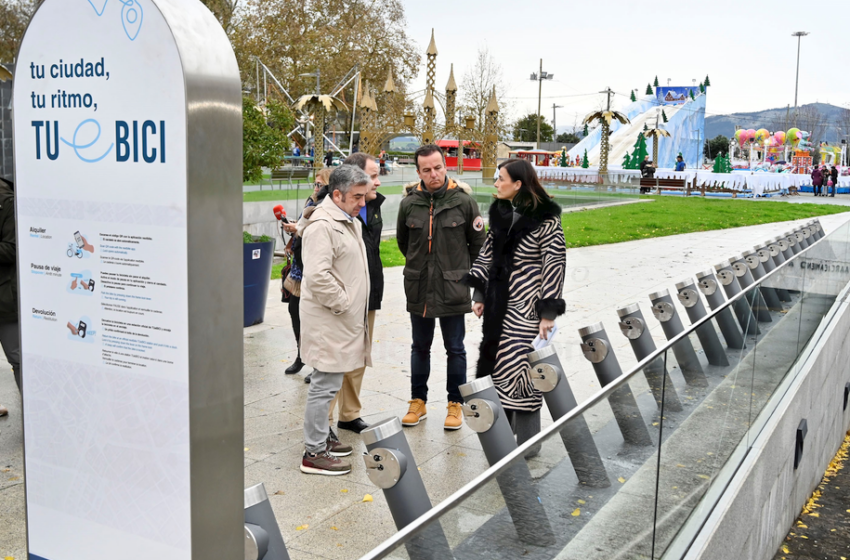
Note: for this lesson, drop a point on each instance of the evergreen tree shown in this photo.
(632, 96)
(707, 81)
(648, 89)
(627, 162)
(691, 93)
(639, 152)
(655, 83)
(663, 115)
(563, 162)
(585, 130)
(718, 164)
(645, 128)
(585, 163)
(701, 88)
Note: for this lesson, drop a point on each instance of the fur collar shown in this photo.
(411, 187)
(502, 211)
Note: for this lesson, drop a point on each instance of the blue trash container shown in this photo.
(257, 261)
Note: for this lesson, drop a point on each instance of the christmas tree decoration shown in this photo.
(632, 96)
(701, 88)
(645, 128)
(707, 82)
(627, 161)
(639, 152)
(691, 94)
(585, 130)
(563, 159)
(663, 116)
(648, 89)
(584, 162)
(655, 83)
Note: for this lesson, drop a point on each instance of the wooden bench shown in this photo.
(289, 174)
(666, 184)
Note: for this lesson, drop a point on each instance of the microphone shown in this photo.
(280, 213)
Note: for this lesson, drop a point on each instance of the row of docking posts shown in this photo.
(389, 461)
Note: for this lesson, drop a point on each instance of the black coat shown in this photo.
(833, 173)
(8, 252)
(372, 239)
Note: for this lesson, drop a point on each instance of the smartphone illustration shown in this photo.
(79, 239)
(81, 329)
(91, 285)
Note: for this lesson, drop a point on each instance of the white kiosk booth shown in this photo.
(128, 153)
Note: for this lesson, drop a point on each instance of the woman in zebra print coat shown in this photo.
(518, 279)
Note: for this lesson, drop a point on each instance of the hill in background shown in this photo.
(825, 122)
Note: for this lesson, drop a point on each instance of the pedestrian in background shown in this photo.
(518, 281)
(817, 180)
(295, 272)
(440, 232)
(833, 176)
(10, 333)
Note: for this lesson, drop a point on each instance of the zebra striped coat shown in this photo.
(520, 269)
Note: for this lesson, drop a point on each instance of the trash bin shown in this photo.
(256, 274)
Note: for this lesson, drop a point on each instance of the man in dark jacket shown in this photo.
(439, 231)
(9, 331)
(348, 396)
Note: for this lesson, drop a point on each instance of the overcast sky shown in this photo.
(745, 47)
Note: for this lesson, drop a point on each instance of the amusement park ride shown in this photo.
(390, 113)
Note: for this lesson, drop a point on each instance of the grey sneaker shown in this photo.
(324, 463)
(336, 447)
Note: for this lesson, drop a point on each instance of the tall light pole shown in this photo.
(799, 35)
(539, 79)
(555, 120)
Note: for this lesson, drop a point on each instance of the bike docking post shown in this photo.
(485, 416)
(690, 300)
(263, 540)
(548, 377)
(391, 467)
(634, 327)
(745, 279)
(758, 271)
(686, 356)
(766, 255)
(730, 284)
(802, 238)
(785, 251)
(708, 285)
(817, 230)
(793, 245)
(596, 347)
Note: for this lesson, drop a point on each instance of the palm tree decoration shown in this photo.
(656, 134)
(320, 106)
(605, 118)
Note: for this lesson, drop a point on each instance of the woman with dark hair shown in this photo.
(518, 280)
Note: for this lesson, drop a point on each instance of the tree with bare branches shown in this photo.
(14, 17)
(477, 85)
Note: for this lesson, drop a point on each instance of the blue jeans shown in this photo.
(454, 330)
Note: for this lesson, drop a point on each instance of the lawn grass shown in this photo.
(298, 194)
(660, 218)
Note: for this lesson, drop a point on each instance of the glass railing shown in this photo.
(660, 443)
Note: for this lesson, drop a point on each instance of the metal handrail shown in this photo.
(478, 482)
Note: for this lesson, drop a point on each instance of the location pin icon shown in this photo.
(131, 18)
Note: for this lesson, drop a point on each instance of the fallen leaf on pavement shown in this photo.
(367, 498)
(577, 512)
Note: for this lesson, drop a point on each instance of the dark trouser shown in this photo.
(10, 338)
(454, 330)
(294, 305)
(817, 190)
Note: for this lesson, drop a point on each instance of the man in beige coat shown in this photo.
(334, 300)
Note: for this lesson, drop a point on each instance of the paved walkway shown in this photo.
(325, 517)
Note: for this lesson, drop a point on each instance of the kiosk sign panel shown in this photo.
(101, 120)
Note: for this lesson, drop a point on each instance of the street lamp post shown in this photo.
(555, 121)
(799, 35)
(539, 79)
